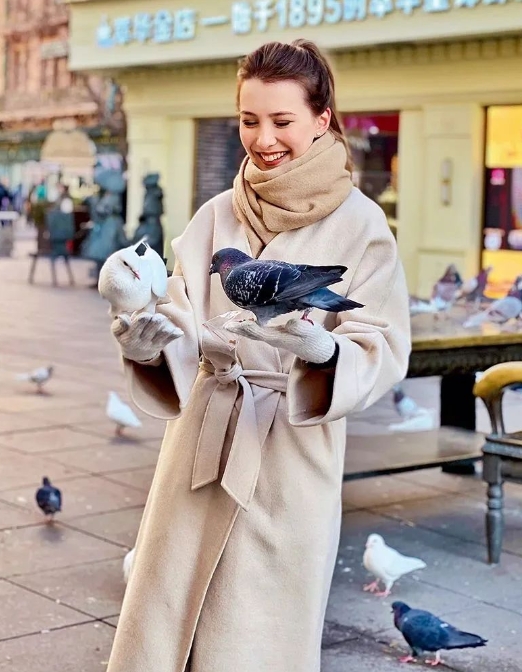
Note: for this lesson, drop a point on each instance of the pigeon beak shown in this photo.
(136, 274)
(211, 269)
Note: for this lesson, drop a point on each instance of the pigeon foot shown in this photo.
(305, 314)
(435, 661)
(371, 587)
(119, 430)
(407, 659)
(383, 593)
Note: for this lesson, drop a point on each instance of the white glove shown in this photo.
(307, 340)
(143, 336)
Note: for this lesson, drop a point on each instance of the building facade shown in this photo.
(418, 83)
(51, 119)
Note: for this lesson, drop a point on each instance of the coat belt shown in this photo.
(244, 460)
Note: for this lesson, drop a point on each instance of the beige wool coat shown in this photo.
(237, 545)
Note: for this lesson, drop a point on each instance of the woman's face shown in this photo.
(276, 124)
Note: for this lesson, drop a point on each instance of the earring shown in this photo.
(319, 134)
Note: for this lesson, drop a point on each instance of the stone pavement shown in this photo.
(61, 585)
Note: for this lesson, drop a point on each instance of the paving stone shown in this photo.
(14, 516)
(14, 422)
(85, 495)
(108, 457)
(36, 548)
(20, 469)
(47, 440)
(95, 588)
(137, 478)
(79, 648)
(120, 527)
(28, 612)
(359, 655)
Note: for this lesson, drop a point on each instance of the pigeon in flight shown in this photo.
(121, 413)
(38, 376)
(134, 279)
(49, 499)
(387, 564)
(271, 288)
(425, 632)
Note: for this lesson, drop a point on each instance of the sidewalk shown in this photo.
(61, 585)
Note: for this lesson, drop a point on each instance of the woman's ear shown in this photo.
(323, 121)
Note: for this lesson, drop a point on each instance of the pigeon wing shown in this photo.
(394, 565)
(424, 631)
(159, 273)
(258, 283)
(310, 278)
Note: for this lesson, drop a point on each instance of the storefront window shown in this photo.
(502, 235)
(218, 156)
(373, 141)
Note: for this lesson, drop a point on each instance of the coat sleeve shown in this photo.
(374, 341)
(163, 391)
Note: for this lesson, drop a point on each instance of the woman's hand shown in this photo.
(308, 341)
(143, 336)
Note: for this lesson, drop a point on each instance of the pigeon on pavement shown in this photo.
(415, 418)
(49, 498)
(38, 376)
(133, 279)
(425, 632)
(387, 564)
(270, 288)
(121, 413)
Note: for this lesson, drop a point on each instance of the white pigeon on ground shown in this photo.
(127, 564)
(386, 564)
(38, 376)
(134, 279)
(415, 418)
(121, 413)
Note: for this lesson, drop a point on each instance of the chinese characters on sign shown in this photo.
(259, 15)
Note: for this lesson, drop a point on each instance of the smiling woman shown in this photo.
(245, 505)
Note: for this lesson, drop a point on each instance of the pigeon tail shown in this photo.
(324, 299)
(464, 640)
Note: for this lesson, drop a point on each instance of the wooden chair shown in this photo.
(502, 452)
(59, 233)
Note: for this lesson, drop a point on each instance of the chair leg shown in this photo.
(32, 270)
(69, 270)
(53, 270)
(495, 513)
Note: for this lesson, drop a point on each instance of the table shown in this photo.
(441, 346)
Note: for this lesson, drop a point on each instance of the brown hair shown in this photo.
(302, 62)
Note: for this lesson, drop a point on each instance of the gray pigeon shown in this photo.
(270, 288)
(425, 632)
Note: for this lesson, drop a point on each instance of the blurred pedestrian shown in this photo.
(237, 545)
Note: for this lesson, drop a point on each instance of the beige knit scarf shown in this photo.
(295, 194)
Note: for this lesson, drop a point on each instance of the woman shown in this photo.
(237, 546)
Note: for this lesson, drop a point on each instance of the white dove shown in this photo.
(386, 564)
(39, 376)
(121, 413)
(127, 564)
(134, 279)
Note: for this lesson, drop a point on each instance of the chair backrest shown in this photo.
(61, 230)
(60, 225)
